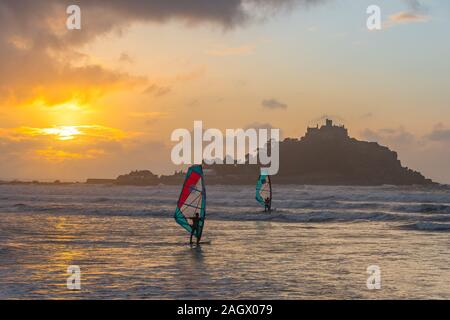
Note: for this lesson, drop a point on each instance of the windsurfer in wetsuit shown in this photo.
(194, 226)
(267, 204)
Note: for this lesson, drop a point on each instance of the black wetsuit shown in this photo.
(195, 223)
(267, 204)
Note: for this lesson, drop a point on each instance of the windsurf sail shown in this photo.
(192, 200)
(264, 189)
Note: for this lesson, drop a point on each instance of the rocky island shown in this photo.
(326, 155)
(142, 178)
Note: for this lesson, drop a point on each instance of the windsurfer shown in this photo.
(194, 227)
(267, 204)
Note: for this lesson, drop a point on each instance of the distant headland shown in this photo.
(326, 155)
(141, 178)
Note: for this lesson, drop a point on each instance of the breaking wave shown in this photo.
(425, 209)
(429, 226)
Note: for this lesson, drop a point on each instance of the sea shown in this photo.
(320, 242)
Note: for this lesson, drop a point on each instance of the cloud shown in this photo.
(60, 151)
(148, 114)
(157, 91)
(25, 149)
(26, 144)
(416, 12)
(427, 153)
(52, 155)
(85, 133)
(33, 72)
(28, 76)
(400, 136)
(38, 54)
(44, 21)
(40, 60)
(390, 136)
(226, 13)
(273, 104)
(439, 134)
(416, 5)
(406, 17)
(125, 58)
(367, 115)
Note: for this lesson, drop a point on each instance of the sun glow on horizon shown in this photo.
(66, 133)
(57, 144)
(63, 132)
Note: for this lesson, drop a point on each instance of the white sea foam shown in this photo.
(293, 203)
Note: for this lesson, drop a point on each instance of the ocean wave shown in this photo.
(218, 213)
(304, 204)
(442, 208)
(423, 208)
(428, 226)
(314, 204)
(309, 217)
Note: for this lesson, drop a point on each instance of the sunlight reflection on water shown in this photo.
(129, 257)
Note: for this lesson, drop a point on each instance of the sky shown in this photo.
(104, 100)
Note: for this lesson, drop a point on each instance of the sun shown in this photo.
(63, 133)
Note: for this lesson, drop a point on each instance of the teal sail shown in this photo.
(192, 200)
(264, 190)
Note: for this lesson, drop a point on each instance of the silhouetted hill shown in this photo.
(138, 178)
(324, 156)
(141, 178)
(327, 156)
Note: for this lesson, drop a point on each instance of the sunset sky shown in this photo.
(103, 100)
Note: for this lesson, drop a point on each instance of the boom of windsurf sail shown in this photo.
(263, 189)
(192, 200)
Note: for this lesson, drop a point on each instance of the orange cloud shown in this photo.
(64, 133)
(53, 155)
(60, 143)
(148, 115)
(53, 84)
(157, 91)
(405, 17)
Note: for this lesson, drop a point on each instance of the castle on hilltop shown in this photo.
(327, 131)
